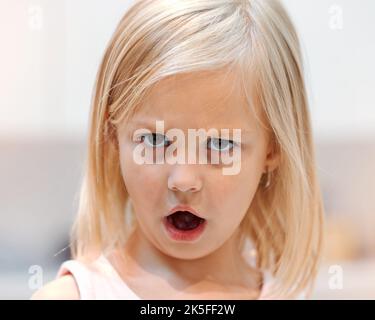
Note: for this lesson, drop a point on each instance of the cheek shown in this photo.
(235, 192)
(140, 180)
(249, 178)
(236, 189)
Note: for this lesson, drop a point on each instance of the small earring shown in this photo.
(268, 179)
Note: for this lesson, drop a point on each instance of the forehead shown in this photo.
(206, 99)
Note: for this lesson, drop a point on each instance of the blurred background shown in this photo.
(50, 52)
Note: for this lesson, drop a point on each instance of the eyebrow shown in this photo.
(147, 124)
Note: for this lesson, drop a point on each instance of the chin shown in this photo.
(186, 253)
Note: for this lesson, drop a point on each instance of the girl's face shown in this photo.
(200, 100)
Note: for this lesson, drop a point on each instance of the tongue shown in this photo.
(184, 220)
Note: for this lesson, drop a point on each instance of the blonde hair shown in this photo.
(159, 38)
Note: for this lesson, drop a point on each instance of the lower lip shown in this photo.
(184, 235)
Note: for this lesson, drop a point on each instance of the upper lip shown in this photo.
(182, 207)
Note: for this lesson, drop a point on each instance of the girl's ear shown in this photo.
(273, 156)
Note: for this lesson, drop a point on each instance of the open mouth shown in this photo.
(184, 225)
(184, 220)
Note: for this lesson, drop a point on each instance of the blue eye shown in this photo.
(220, 145)
(157, 140)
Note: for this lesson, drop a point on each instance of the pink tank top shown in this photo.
(100, 280)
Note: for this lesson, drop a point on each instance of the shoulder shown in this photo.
(63, 288)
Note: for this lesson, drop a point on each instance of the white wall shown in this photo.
(339, 44)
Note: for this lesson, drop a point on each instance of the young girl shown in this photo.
(188, 231)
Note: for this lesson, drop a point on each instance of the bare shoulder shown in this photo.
(63, 288)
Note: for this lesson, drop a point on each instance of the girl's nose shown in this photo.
(184, 178)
